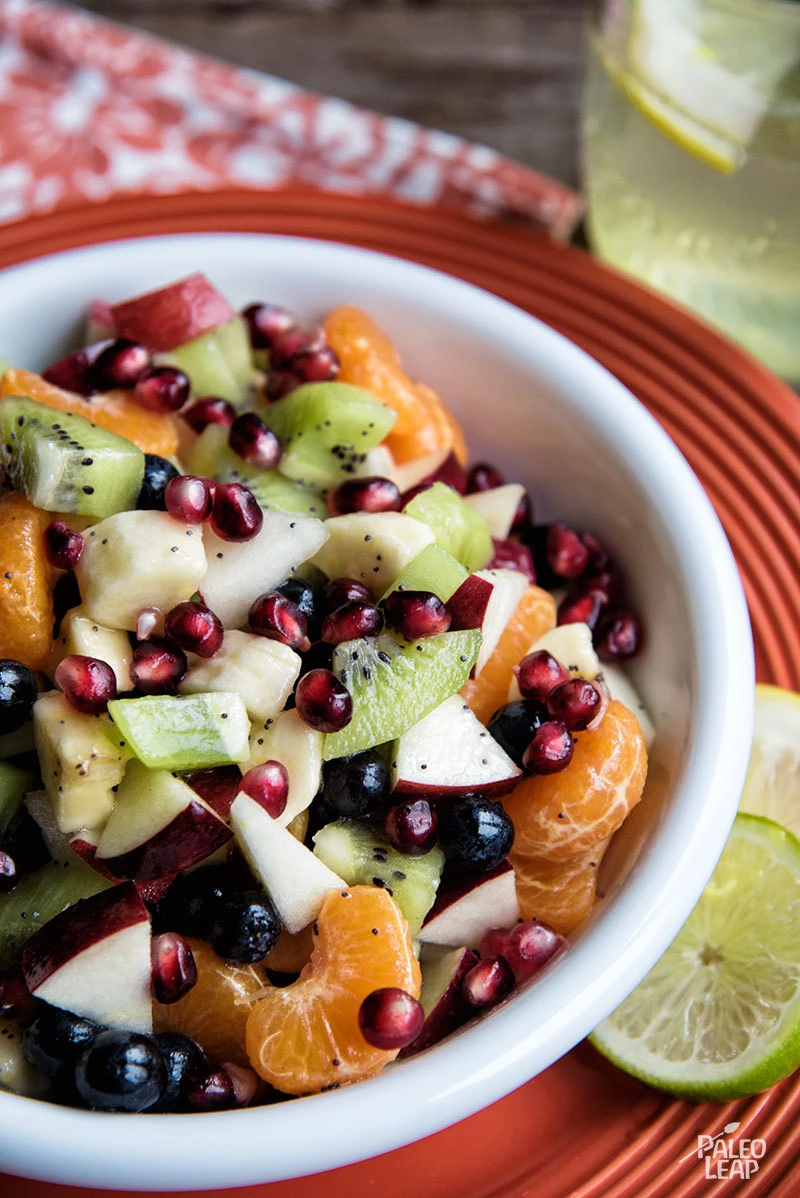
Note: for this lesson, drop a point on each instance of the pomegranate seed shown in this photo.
(494, 943)
(209, 410)
(605, 699)
(601, 581)
(483, 477)
(617, 636)
(523, 516)
(235, 515)
(539, 673)
(212, 1090)
(146, 620)
(323, 702)
(345, 590)
(268, 784)
(364, 495)
(390, 1018)
(173, 967)
(265, 322)
(62, 545)
(580, 607)
(416, 613)
(162, 389)
(195, 628)
(488, 982)
(598, 557)
(157, 667)
(189, 498)
(17, 1004)
(550, 750)
(87, 683)
(280, 383)
(9, 872)
(513, 555)
(567, 555)
(121, 364)
(317, 365)
(73, 373)
(245, 1083)
(352, 620)
(531, 945)
(286, 346)
(276, 617)
(254, 442)
(412, 827)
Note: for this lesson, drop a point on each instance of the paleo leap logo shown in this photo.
(722, 1159)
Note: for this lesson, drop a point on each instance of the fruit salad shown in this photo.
(312, 739)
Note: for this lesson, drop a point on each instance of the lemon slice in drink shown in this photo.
(719, 1016)
(773, 778)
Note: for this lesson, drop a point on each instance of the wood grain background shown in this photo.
(503, 72)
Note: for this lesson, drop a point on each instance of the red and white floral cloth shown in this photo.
(91, 109)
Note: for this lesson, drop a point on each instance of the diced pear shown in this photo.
(262, 671)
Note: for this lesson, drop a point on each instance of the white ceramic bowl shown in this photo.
(550, 416)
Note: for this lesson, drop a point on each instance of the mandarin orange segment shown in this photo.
(564, 816)
(214, 1012)
(153, 432)
(560, 893)
(305, 1037)
(26, 596)
(535, 615)
(291, 952)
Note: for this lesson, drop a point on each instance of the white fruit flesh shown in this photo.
(289, 739)
(238, 572)
(263, 672)
(372, 547)
(294, 878)
(571, 646)
(106, 981)
(464, 917)
(448, 752)
(498, 506)
(15, 1072)
(410, 474)
(379, 463)
(621, 688)
(81, 758)
(135, 560)
(489, 611)
(80, 634)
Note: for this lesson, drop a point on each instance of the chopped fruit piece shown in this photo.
(488, 982)
(211, 455)
(487, 600)
(442, 1000)
(185, 732)
(535, 615)
(571, 646)
(499, 507)
(291, 952)
(458, 528)
(432, 570)
(559, 893)
(468, 907)
(26, 600)
(214, 1012)
(80, 634)
(39, 896)
(262, 671)
(372, 547)
(304, 1037)
(390, 1018)
(172, 315)
(218, 363)
(288, 739)
(116, 411)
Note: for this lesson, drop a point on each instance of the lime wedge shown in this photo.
(773, 779)
(719, 1016)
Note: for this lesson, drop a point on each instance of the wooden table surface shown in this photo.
(503, 72)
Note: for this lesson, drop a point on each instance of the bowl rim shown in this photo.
(446, 1084)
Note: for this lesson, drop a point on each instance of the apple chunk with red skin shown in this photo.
(84, 845)
(449, 754)
(442, 1001)
(94, 960)
(164, 319)
(159, 826)
(468, 906)
(486, 600)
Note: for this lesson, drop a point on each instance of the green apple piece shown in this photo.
(186, 732)
(373, 547)
(14, 785)
(395, 684)
(458, 528)
(38, 897)
(218, 363)
(433, 570)
(326, 430)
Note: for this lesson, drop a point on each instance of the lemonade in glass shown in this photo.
(692, 159)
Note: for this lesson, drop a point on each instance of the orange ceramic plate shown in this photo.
(581, 1129)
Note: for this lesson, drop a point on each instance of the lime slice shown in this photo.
(773, 779)
(719, 1016)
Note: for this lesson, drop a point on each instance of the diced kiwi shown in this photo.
(211, 456)
(38, 897)
(458, 528)
(64, 463)
(187, 732)
(14, 784)
(394, 684)
(432, 570)
(363, 856)
(326, 430)
(219, 362)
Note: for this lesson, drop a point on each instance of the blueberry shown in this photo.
(308, 599)
(18, 691)
(477, 833)
(157, 473)
(54, 1042)
(513, 726)
(192, 900)
(245, 927)
(121, 1071)
(354, 786)
(182, 1060)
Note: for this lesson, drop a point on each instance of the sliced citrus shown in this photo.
(535, 615)
(291, 952)
(153, 432)
(564, 816)
(560, 893)
(26, 596)
(773, 779)
(214, 1012)
(305, 1037)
